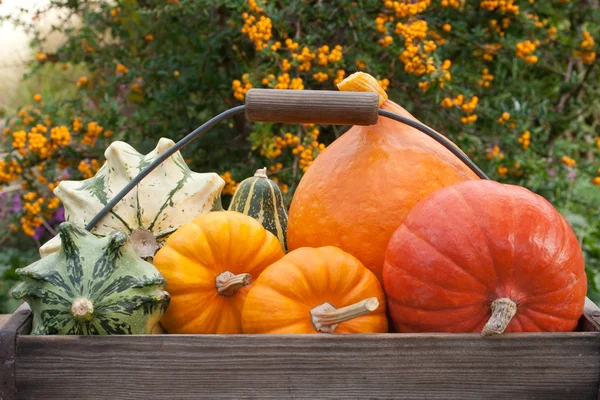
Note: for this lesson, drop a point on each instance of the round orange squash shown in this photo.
(323, 290)
(209, 265)
(358, 191)
(484, 257)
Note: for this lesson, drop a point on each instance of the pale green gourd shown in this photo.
(93, 286)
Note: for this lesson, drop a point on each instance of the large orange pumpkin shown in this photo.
(324, 290)
(358, 191)
(484, 257)
(209, 265)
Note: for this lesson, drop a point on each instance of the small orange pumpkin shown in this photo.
(316, 290)
(209, 265)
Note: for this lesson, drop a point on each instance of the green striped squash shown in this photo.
(93, 286)
(260, 198)
(170, 196)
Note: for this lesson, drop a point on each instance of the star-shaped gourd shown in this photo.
(93, 286)
(167, 198)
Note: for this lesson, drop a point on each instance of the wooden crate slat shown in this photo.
(433, 366)
(18, 323)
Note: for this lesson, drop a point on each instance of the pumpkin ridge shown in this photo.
(410, 276)
(356, 289)
(527, 300)
(454, 263)
(521, 319)
(554, 316)
(484, 235)
(400, 304)
(475, 306)
(417, 327)
(511, 238)
(264, 287)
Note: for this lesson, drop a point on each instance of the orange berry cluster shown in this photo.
(404, 9)
(339, 76)
(489, 51)
(324, 56)
(305, 59)
(82, 82)
(240, 88)
(88, 168)
(568, 161)
(259, 31)
(486, 78)
(585, 52)
(494, 153)
(121, 69)
(524, 49)
(467, 107)
(504, 6)
(60, 136)
(91, 135)
(525, 139)
(380, 22)
(385, 41)
(10, 171)
(450, 3)
(384, 83)
(309, 152)
(415, 57)
(503, 118)
(77, 124)
(536, 20)
(320, 77)
(230, 183)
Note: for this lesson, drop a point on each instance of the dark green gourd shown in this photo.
(92, 286)
(260, 198)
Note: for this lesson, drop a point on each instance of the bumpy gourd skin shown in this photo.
(92, 286)
(287, 291)
(170, 196)
(198, 253)
(466, 246)
(359, 190)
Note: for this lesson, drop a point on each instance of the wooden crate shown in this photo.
(378, 366)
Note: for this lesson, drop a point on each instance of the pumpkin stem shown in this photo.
(228, 284)
(502, 312)
(261, 173)
(325, 317)
(361, 82)
(82, 309)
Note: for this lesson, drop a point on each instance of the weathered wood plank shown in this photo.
(432, 366)
(19, 322)
(4, 318)
(590, 320)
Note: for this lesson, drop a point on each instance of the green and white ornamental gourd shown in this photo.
(93, 286)
(167, 198)
(260, 198)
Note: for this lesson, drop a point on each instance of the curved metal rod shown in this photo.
(240, 109)
(178, 146)
(438, 138)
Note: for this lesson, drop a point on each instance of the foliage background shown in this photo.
(513, 83)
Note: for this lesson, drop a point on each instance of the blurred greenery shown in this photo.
(513, 83)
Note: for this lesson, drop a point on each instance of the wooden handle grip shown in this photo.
(312, 106)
